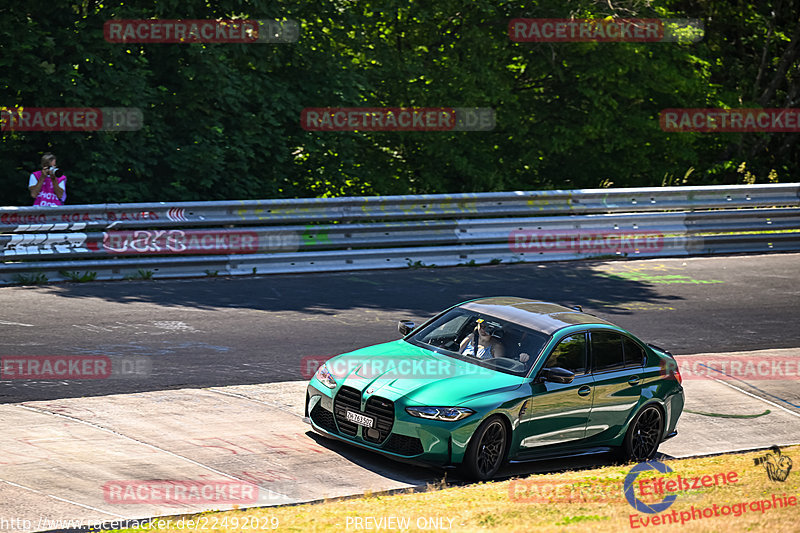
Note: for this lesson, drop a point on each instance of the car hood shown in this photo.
(398, 369)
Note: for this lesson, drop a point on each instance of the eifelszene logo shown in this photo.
(777, 466)
(630, 495)
(663, 485)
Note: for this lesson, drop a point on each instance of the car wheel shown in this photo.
(644, 435)
(486, 450)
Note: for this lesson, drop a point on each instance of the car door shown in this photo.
(557, 413)
(617, 364)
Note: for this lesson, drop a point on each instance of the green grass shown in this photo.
(595, 503)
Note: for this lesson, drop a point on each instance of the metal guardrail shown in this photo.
(116, 241)
(434, 206)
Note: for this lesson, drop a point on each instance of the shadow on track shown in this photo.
(421, 291)
(251, 330)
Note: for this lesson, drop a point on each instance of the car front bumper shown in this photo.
(414, 440)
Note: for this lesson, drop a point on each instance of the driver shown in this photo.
(488, 347)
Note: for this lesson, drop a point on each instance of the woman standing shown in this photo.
(49, 185)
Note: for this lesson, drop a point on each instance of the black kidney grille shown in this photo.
(403, 445)
(323, 418)
(347, 398)
(382, 410)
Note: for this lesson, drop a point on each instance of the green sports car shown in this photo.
(500, 379)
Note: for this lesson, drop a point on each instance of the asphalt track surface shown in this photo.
(250, 330)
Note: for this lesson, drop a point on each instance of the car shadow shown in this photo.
(430, 478)
(249, 330)
(416, 476)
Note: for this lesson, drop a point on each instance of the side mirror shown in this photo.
(557, 375)
(405, 327)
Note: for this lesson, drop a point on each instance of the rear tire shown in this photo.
(487, 449)
(644, 435)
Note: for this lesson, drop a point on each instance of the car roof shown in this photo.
(546, 317)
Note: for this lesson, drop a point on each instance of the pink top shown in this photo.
(47, 195)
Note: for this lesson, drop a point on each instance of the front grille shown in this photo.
(323, 418)
(347, 398)
(382, 410)
(403, 445)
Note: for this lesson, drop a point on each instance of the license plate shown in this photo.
(359, 419)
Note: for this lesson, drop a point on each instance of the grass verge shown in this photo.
(585, 500)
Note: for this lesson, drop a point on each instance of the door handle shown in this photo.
(634, 381)
(584, 391)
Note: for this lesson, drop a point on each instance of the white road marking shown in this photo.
(152, 446)
(61, 499)
(4, 323)
(758, 397)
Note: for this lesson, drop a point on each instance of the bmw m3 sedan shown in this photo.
(500, 379)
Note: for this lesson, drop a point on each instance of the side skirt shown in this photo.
(560, 455)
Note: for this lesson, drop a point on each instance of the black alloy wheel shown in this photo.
(486, 450)
(644, 435)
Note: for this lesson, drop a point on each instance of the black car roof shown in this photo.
(542, 316)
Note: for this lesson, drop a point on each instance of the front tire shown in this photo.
(487, 449)
(644, 435)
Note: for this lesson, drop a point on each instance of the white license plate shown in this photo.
(359, 419)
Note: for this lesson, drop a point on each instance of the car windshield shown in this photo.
(482, 340)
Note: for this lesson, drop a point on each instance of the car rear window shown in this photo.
(607, 351)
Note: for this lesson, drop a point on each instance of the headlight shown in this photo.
(324, 376)
(449, 414)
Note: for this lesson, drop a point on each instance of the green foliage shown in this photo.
(418, 264)
(140, 274)
(35, 278)
(77, 276)
(222, 120)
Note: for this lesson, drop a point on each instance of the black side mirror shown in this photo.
(557, 375)
(405, 327)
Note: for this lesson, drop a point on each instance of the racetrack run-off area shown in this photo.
(220, 393)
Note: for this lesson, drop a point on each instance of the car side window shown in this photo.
(607, 351)
(634, 355)
(569, 354)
